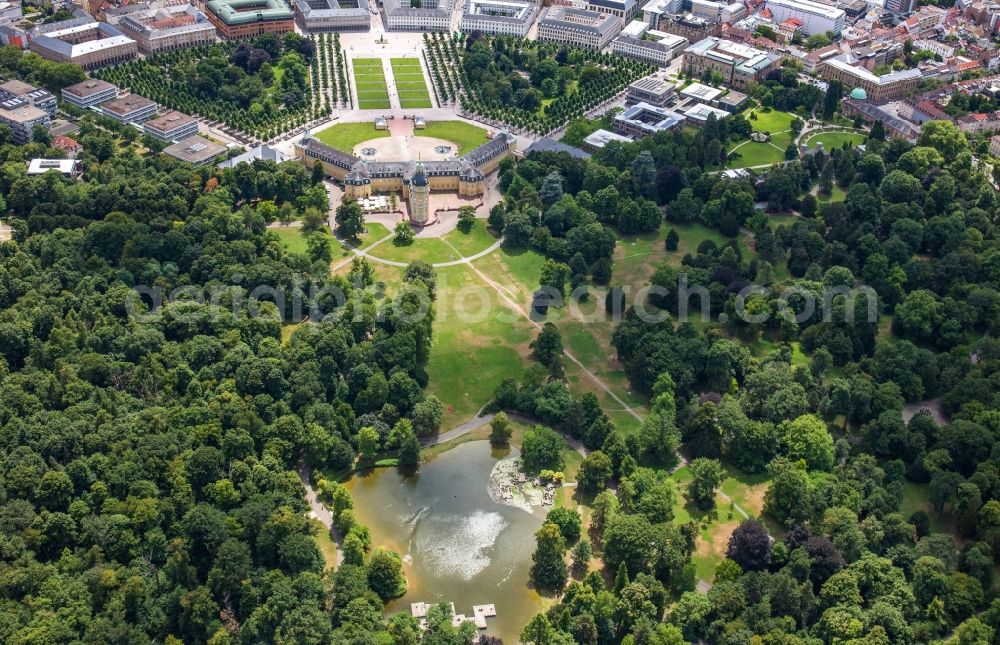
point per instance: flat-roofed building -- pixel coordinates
(90, 92)
(333, 15)
(655, 10)
(655, 89)
(22, 120)
(736, 63)
(20, 91)
(597, 139)
(83, 41)
(578, 27)
(624, 9)
(816, 17)
(510, 17)
(732, 102)
(167, 28)
(701, 93)
(171, 126)
(195, 150)
(649, 45)
(245, 19)
(644, 120)
(878, 89)
(431, 15)
(130, 108)
(65, 167)
(698, 114)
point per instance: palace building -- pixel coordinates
(245, 19)
(414, 179)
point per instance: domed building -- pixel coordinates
(859, 94)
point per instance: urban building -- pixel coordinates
(89, 93)
(732, 102)
(691, 27)
(362, 179)
(171, 126)
(12, 36)
(420, 196)
(578, 27)
(245, 19)
(736, 63)
(130, 108)
(84, 41)
(11, 11)
(718, 11)
(649, 45)
(258, 153)
(900, 6)
(655, 10)
(597, 139)
(510, 17)
(816, 17)
(20, 92)
(65, 167)
(551, 145)
(22, 120)
(870, 113)
(995, 145)
(876, 88)
(68, 145)
(655, 89)
(333, 15)
(166, 28)
(431, 15)
(699, 113)
(701, 93)
(643, 120)
(195, 150)
(624, 9)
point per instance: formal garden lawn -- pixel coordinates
(369, 81)
(344, 136)
(776, 122)
(410, 85)
(466, 136)
(831, 140)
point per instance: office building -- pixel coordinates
(195, 150)
(816, 17)
(643, 120)
(578, 27)
(245, 19)
(14, 90)
(430, 15)
(130, 108)
(333, 15)
(171, 126)
(509, 17)
(65, 167)
(877, 89)
(691, 27)
(655, 10)
(597, 139)
(624, 9)
(698, 114)
(83, 41)
(654, 89)
(736, 63)
(165, 29)
(88, 93)
(22, 120)
(649, 45)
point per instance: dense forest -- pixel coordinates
(912, 248)
(148, 486)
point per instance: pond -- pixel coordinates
(458, 544)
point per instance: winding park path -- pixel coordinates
(317, 509)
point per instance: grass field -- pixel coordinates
(344, 136)
(838, 194)
(410, 85)
(476, 240)
(755, 153)
(369, 80)
(466, 136)
(291, 238)
(831, 140)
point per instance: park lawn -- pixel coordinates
(517, 271)
(373, 233)
(755, 153)
(344, 136)
(917, 497)
(410, 83)
(369, 81)
(773, 121)
(838, 194)
(291, 238)
(831, 140)
(477, 239)
(692, 234)
(326, 545)
(430, 249)
(776, 220)
(467, 137)
(475, 347)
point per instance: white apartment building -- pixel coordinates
(816, 17)
(509, 17)
(578, 27)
